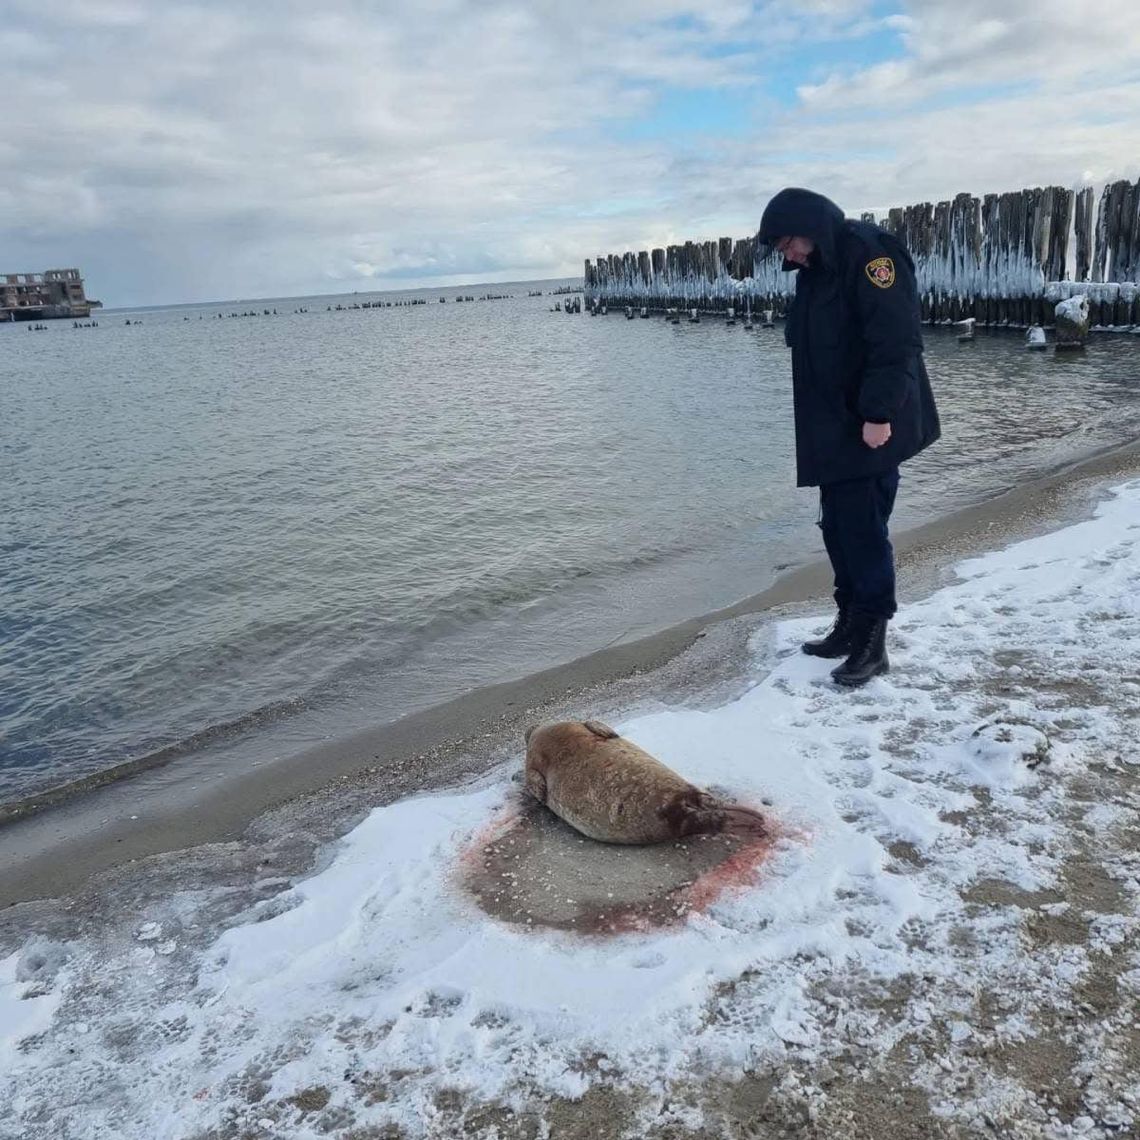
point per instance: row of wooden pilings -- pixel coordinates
(1002, 259)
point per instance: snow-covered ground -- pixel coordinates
(956, 897)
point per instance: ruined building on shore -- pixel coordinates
(42, 296)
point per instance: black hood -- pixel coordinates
(802, 213)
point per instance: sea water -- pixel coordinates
(314, 516)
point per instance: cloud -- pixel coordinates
(971, 46)
(214, 149)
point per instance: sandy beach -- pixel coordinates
(64, 840)
(985, 984)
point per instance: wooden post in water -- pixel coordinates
(724, 253)
(1057, 253)
(939, 256)
(1120, 249)
(709, 263)
(1100, 237)
(1134, 259)
(1082, 234)
(1113, 216)
(743, 254)
(985, 308)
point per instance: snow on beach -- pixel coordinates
(921, 909)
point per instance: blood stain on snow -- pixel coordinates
(527, 867)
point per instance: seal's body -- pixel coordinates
(609, 789)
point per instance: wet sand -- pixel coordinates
(319, 794)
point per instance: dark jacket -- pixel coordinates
(854, 328)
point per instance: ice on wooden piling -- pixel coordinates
(1010, 247)
(1074, 309)
(1099, 291)
(1072, 317)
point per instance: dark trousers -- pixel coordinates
(854, 516)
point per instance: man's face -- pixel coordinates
(797, 250)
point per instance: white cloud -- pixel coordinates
(964, 46)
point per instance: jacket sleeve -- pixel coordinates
(791, 315)
(890, 323)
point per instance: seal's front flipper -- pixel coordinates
(601, 730)
(536, 784)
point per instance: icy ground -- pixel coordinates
(944, 943)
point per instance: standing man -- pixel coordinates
(862, 400)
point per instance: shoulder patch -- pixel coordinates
(881, 271)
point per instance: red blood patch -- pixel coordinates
(526, 866)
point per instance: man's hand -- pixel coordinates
(875, 435)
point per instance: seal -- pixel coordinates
(609, 789)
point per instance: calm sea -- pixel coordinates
(264, 531)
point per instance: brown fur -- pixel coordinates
(611, 790)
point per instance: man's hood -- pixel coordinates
(802, 213)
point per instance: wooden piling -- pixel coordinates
(1000, 258)
(1083, 235)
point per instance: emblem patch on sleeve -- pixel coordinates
(881, 272)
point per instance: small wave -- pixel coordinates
(212, 734)
(523, 587)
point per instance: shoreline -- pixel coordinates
(326, 788)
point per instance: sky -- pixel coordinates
(214, 149)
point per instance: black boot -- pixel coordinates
(868, 652)
(836, 642)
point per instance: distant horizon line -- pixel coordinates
(350, 293)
